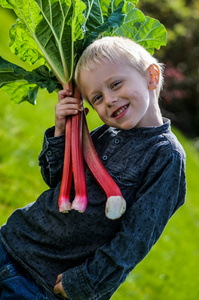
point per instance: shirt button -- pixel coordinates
(49, 153)
(117, 141)
(105, 157)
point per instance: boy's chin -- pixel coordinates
(125, 126)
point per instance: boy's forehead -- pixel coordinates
(101, 72)
(105, 70)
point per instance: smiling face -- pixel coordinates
(121, 95)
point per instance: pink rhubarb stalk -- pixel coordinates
(64, 196)
(115, 205)
(80, 201)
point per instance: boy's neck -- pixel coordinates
(154, 115)
(153, 118)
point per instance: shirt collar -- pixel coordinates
(165, 127)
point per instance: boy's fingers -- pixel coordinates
(64, 93)
(67, 109)
(69, 100)
(58, 284)
(58, 278)
(57, 288)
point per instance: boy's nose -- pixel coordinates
(110, 99)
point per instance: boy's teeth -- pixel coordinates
(118, 112)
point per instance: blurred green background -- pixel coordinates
(170, 271)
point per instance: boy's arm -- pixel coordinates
(51, 157)
(162, 192)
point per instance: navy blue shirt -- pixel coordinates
(96, 254)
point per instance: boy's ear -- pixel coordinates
(153, 76)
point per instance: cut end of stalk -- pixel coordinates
(79, 203)
(64, 205)
(115, 207)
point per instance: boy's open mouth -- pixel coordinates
(120, 111)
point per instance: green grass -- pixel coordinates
(170, 271)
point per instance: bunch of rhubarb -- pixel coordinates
(53, 34)
(79, 146)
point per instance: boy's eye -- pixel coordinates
(96, 98)
(115, 84)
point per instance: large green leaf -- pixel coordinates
(23, 45)
(20, 91)
(100, 16)
(23, 85)
(9, 72)
(113, 22)
(146, 31)
(97, 12)
(151, 34)
(47, 29)
(108, 6)
(5, 4)
(93, 16)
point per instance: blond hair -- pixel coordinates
(116, 49)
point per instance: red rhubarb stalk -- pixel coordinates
(115, 204)
(80, 201)
(64, 196)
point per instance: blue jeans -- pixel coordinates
(17, 284)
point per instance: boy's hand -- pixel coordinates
(58, 288)
(66, 106)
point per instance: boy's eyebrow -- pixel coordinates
(92, 93)
(112, 77)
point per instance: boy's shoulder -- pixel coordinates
(174, 143)
(164, 140)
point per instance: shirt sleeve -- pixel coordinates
(162, 192)
(51, 157)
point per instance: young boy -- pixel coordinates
(89, 254)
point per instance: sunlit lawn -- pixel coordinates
(170, 271)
